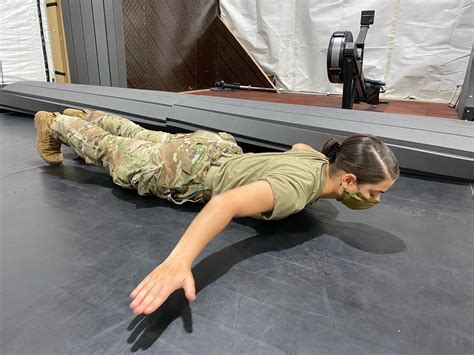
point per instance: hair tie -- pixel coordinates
(332, 154)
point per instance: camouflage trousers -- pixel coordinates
(170, 166)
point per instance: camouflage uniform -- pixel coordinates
(170, 166)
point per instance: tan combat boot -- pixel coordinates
(48, 148)
(76, 113)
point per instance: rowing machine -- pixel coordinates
(344, 65)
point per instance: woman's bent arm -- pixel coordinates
(175, 271)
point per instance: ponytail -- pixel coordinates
(330, 149)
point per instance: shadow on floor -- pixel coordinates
(272, 236)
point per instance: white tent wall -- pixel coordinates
(21, 50)
(419, 48)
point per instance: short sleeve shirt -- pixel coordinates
(296, 177)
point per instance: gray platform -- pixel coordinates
(395, 279)
(425, 144)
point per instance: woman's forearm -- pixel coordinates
(175, 271)
(212, 219)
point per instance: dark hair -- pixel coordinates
(363, 155)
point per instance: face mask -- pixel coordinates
(356, 201)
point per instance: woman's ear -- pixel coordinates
(348, 180)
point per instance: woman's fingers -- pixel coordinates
(142, 294)
(140, 286)
(154, 299)
(150, 294)
(146, 301)
(156, 302)
(189, 288)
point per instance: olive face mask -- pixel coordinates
(356, 201)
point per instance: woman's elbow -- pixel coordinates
(222, 205)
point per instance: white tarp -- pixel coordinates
(21, 49)
(420, 48)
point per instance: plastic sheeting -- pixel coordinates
(419, 48)
(21, 49)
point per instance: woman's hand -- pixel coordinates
(160, 283)
(175, 272)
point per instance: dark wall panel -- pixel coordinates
(119, 44)
(182, 45)
(94, 39)
(101, 41)
(89, 31)
(136, 47)
(71, 52)
(78, 42)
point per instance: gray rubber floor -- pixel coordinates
(396, 279)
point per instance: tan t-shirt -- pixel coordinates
(297, 177)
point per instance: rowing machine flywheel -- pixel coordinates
(335, 57)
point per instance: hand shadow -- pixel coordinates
(271, 236)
